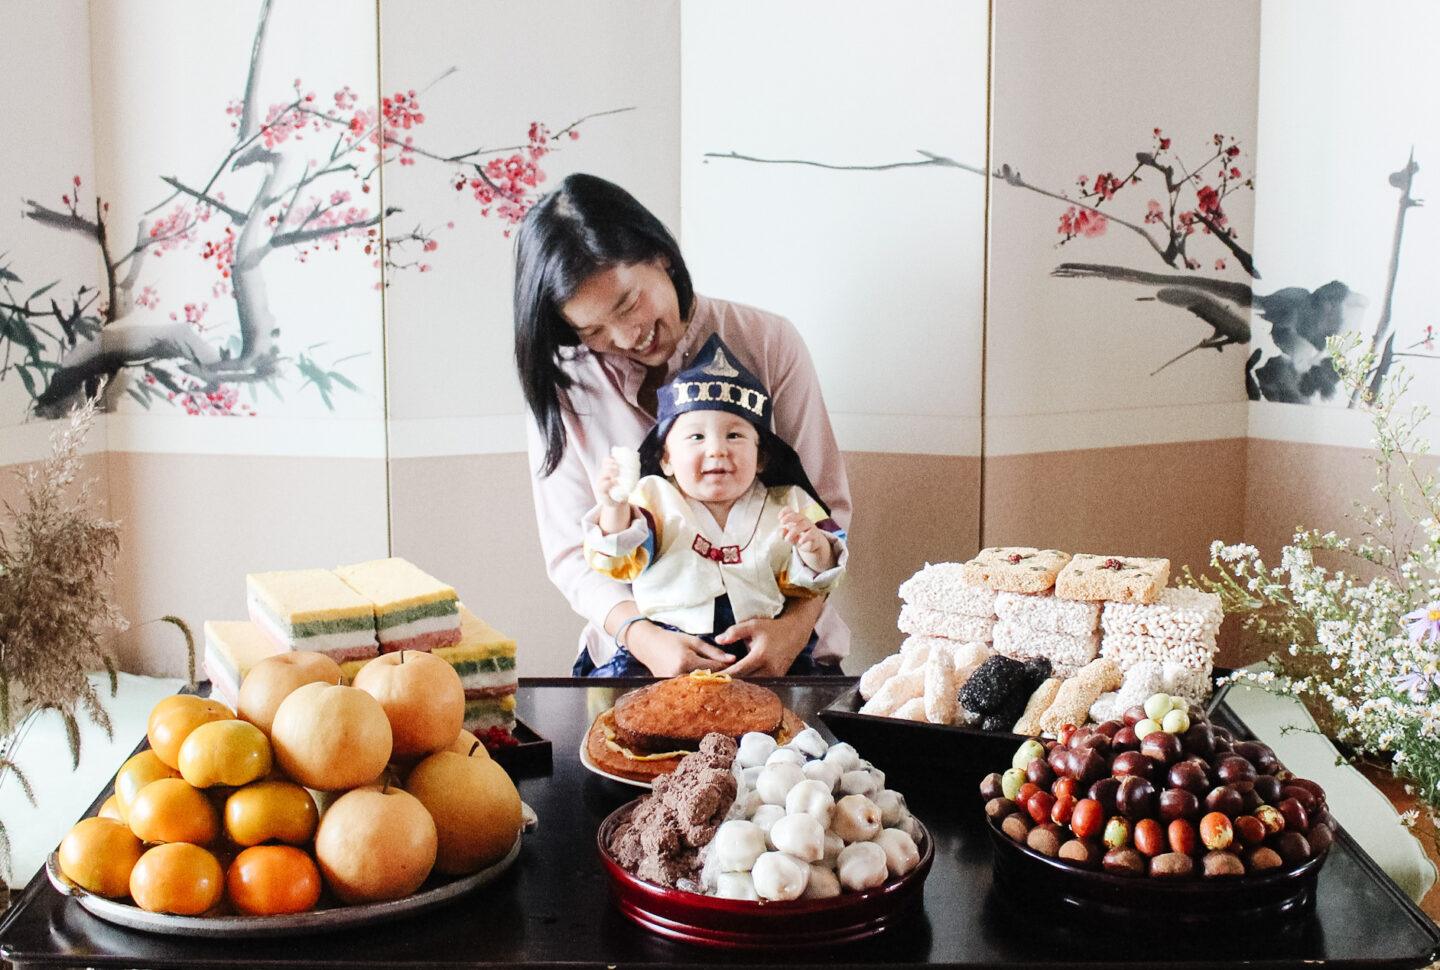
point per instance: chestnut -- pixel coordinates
(1065, 787)
(1162, 747)
(1293, 847)
(1110, 727)
(1134, 715)
(1059, 761)
(1178, 803)
(1104, 791)
(1040, 773)
(1135, 798)
(1172, 865)
(1125, 739)
(1064, 807)
(1304, 796)
(1188, 776)
(1320, 837)
(1225, 800)
(1296, 818)
(991, 786)
(1268, 788)
(1132, 763)
(1199, 739)
(1222, 865)
(1236, 772)
(1081, 853)
(1310, 786)
(1258, 754)
(1095, 741)
(1078, 736)
(1087, 765)
(1124, 862)
(1250, 800)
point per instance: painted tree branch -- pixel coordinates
(1403, 180)
(309, 235)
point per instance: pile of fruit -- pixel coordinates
(309, 787)
(1162, 793)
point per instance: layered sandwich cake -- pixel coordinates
(413, 610)
(232, 647)
(312, 609)
(485, 660)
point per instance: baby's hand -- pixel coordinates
(609, 476)
(806, 537)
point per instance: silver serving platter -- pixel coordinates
(298, 924)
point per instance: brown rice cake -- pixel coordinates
(924, 622)
(1023, 643)
(1044, 611)
(1076, 695)
(1121, 579)
(1015, 569)
(942, 586)
(1180, 613)
(1191, 683)
(1039, 701)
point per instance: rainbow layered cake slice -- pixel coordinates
(413, 610)
(485, 660)
(232, 647)
(312, 609)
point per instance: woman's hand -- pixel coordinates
(814, 548)
(774, 644)
(669, 653)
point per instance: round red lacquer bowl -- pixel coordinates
(741, 923)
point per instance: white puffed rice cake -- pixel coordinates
(941, 586)
(1191, 683)
(941, 690)
(895, 692)
(874, 678)
(1128, 649)
(1180, 614)
(1022, 643)
(921, 621)
(1045, 611)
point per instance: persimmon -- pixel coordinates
(178, 878)
(267, 880)
(99, 854)
(173, 810)
(173, 718)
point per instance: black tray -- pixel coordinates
(1192, 904)
(913, 749)
(531, 757)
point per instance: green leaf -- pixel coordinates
(144, 401)
(8, 276)
(343, 381)
(27, 380)
(43, 290)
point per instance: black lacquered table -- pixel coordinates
(552, 908)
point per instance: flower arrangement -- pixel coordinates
(1352, 624)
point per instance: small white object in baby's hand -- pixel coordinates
(629, 461)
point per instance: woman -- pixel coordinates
(604, 315)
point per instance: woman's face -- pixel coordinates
(714, 456)
(630, 310)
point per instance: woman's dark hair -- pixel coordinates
(584, 226)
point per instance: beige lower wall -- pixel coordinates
(194, 525)
(1166, 500)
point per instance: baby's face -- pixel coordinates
(714, 455)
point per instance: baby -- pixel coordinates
(723, 525)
